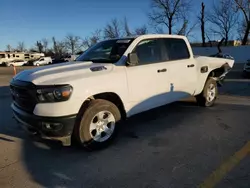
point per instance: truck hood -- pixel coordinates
(63, 73)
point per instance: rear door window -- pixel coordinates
(176, 49)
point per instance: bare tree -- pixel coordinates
(244, 7)
(72, 43)
(21, 47)
(168, 12)
(45, 44)
(141, 30)
(39, 46)
(186, 28)
(61, 47)
(8, 48)
(93, 39)
(202, 20)
(112, 29)
(241, 29)
(223, 18)
(159, 30)
(58, 47)
(54, 45)
(126, 28)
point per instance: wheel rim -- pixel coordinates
(211, 93)
(102, 126)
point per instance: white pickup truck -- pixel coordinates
(113, 80)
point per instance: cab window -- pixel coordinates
(148, 51)
(175, 49)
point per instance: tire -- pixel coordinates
(209, 94)
(7, 64)
(90, 131)
(37, 65)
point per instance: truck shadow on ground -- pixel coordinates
(53, 165)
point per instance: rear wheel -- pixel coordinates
(98, 125)
(209, 94)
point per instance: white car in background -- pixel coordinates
(70, 58)
(15, 63)
(43, 61)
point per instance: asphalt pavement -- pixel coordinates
(177, 145)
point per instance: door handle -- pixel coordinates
(191, 65)
(162, 70)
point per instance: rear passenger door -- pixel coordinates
(181, 67)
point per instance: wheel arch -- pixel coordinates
(109, 96)
(217, 73)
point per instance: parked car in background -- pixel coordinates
(15, 63)
(246, 70)
(70, 58)
(43, 61)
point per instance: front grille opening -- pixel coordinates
(24, 96)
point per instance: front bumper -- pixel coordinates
(61, 127)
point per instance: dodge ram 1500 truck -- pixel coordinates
(111, 81)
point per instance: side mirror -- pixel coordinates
(132, 59)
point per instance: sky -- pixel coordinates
(31, 20)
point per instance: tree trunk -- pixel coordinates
(245, 38)
(226, 40)
(203, 25)
(219, 45)
(170, 26)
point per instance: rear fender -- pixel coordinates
(217, 74)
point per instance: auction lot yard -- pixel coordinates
(178, 145)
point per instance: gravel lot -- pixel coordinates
(178, 145)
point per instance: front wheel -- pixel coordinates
(98, 124)
(209, 94)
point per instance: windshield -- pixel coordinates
(109, 51)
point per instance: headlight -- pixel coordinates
(54, 94)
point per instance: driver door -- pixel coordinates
(149, 83)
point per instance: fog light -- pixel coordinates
(51, 126)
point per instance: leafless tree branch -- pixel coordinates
(167, 12)
(223, 18)
(112, 29)
(72, 43)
